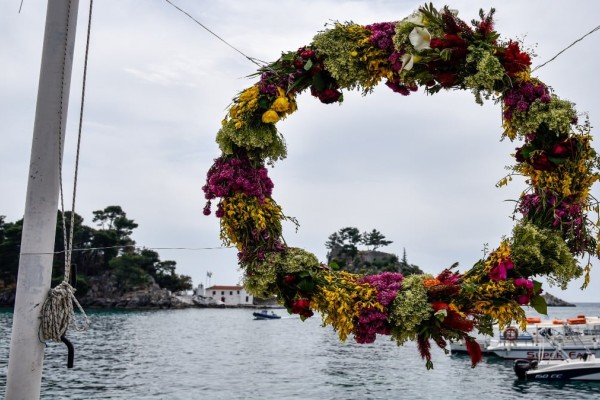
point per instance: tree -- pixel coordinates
(408, 269)
(10, 249)
(114, 237)
(96, 252)
(116, 219)
(374, 239)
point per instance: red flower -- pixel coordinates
(289, 279)
(302, 307)
(327, 96)
(564, 148)
(513, 59)
(446, 79)
(474, 351)
(541, 162)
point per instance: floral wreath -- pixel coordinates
(435, 50)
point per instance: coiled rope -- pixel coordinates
(58, 311)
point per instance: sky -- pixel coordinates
(420, 169)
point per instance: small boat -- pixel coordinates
(264, 314)
(586, 368)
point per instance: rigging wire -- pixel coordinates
(566, 48)
(135, 247)
(256, 61)
(262, 64)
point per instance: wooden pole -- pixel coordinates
(39, 224)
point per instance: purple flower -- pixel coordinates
(522, 105)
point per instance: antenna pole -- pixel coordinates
(39, 223)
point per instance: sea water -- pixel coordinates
(226, 354)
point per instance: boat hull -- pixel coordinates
(556, 370)
(259, 315)
(539, 352)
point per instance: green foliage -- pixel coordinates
(409, 309)
(542, 251)
(341, 46)
(557, 116)
(98, 250)
(261, 141)
(10, 244)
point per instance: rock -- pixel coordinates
(553, 301)
(104, 293)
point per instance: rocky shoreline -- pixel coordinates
(101, 296)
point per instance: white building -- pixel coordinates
(229, 295)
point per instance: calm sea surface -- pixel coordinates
(226, 354)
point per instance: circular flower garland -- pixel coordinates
(435, 50)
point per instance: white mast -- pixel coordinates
(39, 224)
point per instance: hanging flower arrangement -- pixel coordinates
(433, 50)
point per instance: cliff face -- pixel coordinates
(553, 301)
(104, 292)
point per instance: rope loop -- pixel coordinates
(57, 313)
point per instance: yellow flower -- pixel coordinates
(281, 104)
(270, 117)
(249, 93)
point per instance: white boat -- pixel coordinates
(576, 337)
(584, 368)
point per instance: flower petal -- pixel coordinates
(420, 38)
(407, 61)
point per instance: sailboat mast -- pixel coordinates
(39, 223)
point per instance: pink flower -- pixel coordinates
(498, 273)
(522, 282)
(523, 299)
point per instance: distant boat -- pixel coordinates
(264, 314)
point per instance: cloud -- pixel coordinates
(421, 169)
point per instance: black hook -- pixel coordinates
(71, 351)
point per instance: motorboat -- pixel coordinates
(559, 368)
(576, 337)
(585, 368)
(265, 314)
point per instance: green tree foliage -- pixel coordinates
(109, 248)
(10, 248)
(114, 236)
(374, 239)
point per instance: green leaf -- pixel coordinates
(557, 160)
(537, 286)
(539, 304)
(263, 102)
(318, 82)
(306, 286)
(334, 266)
(308, 65)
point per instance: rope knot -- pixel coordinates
(57, 312)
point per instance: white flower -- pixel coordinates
(407, 61)
(420, 38)
(415, 18)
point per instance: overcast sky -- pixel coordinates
(420, 169)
